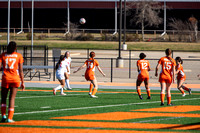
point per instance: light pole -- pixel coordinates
(119, 62)
(8, 32)
(165, 16)
(21, 18)
(115, 18)
(124, 45)
(68, 18)
(32, 31)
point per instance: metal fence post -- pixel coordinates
(111, 71)
(54, 64)
(129, 64)
(88, 50)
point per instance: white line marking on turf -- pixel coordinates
(47, 96)
(158, 119)
(45, 107)
(67, 109)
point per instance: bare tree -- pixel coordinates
(147, 13)
(185, 29)
(73, 30)
(194, 27)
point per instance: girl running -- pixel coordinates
(89, 73)
(61, 69)
(12, 63)
(143, 68)
(181, 76)
(167, 75)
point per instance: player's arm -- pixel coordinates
(21, 74)
(174, 72)
(84, 65)
(98, 67)
(156, 71)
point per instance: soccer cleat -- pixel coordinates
(63, 94)
(93, 96)
(162, 104)
(90, 93)
(171, 104)
(183, 95)
(190, 91)
(10, 121)
(54, 91)
(69, 88)
(140, 97)
(3, 119)
(148, 97)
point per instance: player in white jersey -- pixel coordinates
(68, 61)
(61, 69)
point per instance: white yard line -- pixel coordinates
(171, 118)
(94, 107)
(47, 96)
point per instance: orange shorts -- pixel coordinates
(8, 85)
(181, 78)
(142, 78)
(167, 80)
(89, 76)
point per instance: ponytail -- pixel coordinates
(60, 60)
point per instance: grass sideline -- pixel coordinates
(39, 108)
(181, 46)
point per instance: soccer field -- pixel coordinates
(115, 110)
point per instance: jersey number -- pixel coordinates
(10, 62)
(167, 65)
(144, 65)
(90, 65)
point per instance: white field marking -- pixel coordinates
(158, 119)
(94, 107)
(46, 96)
(45, 107)
(187, 70)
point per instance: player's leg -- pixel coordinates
(162, 93)
(168, 89)
(67, 81)
(138, 83)
(62, 83)
(13, 92)
(146, 82)
(4, 94)
(90, 89)
(94, 82)
(179, 86)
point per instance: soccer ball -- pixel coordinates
(82, 21)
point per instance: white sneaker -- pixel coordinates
(69, 88)
(183, 95)
(54, 91)
(63, 94)
(93, 96)
(10, 121)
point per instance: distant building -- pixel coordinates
(99, 14)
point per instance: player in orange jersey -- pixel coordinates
(167, 75)
(143, 68)
(91, 63)
(12, 63)
(181, 76)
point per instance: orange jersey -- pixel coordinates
(181, 74)
(143, 66)
(167, 66)
(89, 73)
(10, 63)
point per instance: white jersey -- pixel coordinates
(68, 61)
(62, 68)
